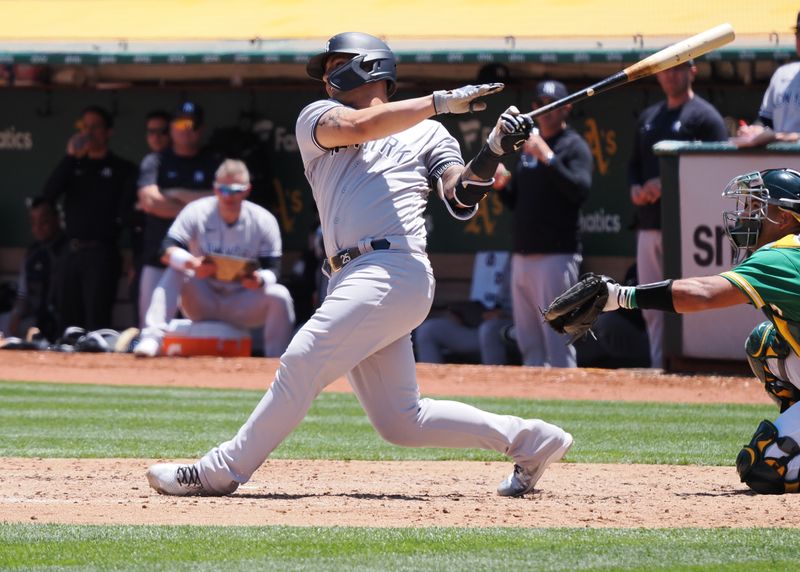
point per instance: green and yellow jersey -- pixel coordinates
(770, 278)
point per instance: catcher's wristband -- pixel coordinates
(655, 296)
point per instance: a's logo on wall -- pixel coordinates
(14, 140)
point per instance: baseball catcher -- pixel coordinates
(764, 227)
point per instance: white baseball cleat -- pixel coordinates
(523, 479)
(147, 347)
(177, 480)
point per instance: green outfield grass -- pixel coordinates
(55, 547)
(55, 420)
(61, 420)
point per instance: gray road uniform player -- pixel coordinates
(200, 229)
(371, 165)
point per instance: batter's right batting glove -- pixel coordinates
(464, 99)
(510, 132)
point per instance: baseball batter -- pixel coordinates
(371, 164)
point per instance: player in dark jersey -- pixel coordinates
(168, 181)
(95, 188)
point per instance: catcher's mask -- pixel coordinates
(753, 192)
(371, 61)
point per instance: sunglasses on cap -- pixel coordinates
(231, 189)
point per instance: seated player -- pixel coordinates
(225, 224)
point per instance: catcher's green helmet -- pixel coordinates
(753, 192)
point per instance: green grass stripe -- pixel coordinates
(61, 420)
(58, 547)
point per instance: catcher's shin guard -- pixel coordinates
(766, 353)
(767, 475)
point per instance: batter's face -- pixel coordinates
(333, 62)
(359, 97)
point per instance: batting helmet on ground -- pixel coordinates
(372, 61)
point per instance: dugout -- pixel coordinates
(55, 60)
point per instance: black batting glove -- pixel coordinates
(510, 132)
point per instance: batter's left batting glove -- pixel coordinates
(464, 99)
(510, 132)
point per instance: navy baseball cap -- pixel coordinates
(188, 115)
(551, 89)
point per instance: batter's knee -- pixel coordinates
(400, 428)
(768, 475)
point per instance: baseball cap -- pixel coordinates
(550, 89)
(189, 115)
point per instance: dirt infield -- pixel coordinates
(357, 493)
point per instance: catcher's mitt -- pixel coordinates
(575, 310)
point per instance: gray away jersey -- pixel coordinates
(781, 101)
(375, 189)
(256, 234)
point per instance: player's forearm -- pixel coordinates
(705, 293)
(342, 126)
(450, 179)
(165, 210)
(682, 296)
(153, 202)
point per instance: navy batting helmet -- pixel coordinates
(753, 192)
(371, 61)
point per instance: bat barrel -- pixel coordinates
(671, 56)
(682, 51)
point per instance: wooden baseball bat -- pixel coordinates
(670, 56)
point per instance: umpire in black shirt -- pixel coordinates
(97, 189)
